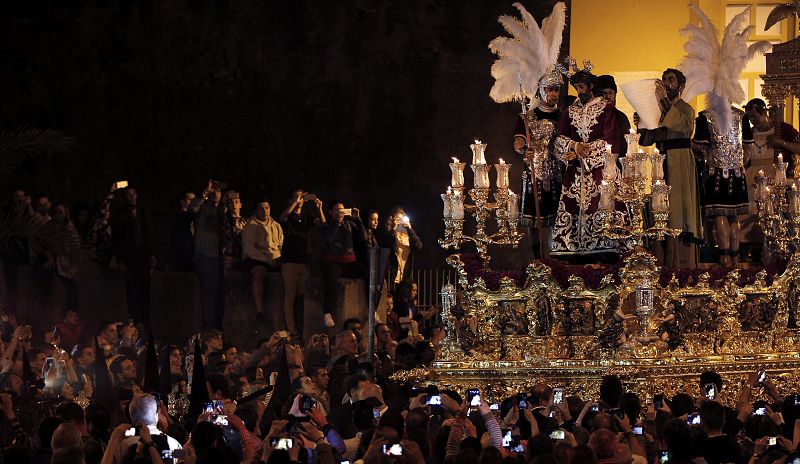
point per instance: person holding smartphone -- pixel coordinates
(459, 426)
(303, 211)
(132, 242)
(341, 235)
(144, 415)
(399, 237)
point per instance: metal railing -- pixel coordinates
(429, 285)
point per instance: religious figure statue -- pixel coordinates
(672, 138)
(581, 317)
(535, 140)
(584, 130)
(525, 71)
(713, 68)
(773, 141)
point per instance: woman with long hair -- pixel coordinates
(402, 240)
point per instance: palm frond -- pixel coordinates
(34, 234)
(17, 144)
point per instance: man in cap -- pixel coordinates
(606, 87)
(587, 125)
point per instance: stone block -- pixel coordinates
(241, 325)
(352, 301)
(40, 299)
(41, 296)
(176, 310)
(176, 303)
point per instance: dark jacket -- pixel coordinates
(132, 236)
(388, 239)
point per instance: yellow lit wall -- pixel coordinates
(638, 39)
(628, 39)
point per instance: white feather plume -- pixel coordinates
(526, 54)
(702, 55)
(714, 68)
(553, 31)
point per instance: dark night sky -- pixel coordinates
(362, 100)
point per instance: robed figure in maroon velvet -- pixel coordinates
(585, 128)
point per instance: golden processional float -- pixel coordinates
(656, 328)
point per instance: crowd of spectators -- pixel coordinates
(124, 397)
(116, 394)
(209, 235)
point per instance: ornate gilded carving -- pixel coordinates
(658, 338)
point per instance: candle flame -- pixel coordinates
(501, 161)
(455, 160)
(632, 131)
(656, 151)
(761, 173)
(477, 142)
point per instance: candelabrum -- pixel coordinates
(504, 208)
(778, 204)
(634, 187)
(178, 404)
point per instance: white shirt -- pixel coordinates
(130, 441)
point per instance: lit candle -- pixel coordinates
(502, 174)
(447, 199)
(768, 198)
(478, 149)
(457, 205)
(632, 139)
(481, 175)
(793, 204)
(610, 165)
(513, 205)
(457, 170)
(761, 183)
(658, 200)
(641, 160)
(780, 170)
(606, 196)
(658, 165)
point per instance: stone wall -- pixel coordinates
(176, 310)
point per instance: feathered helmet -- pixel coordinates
(714, 68)
(526, 61)
(551, 78)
